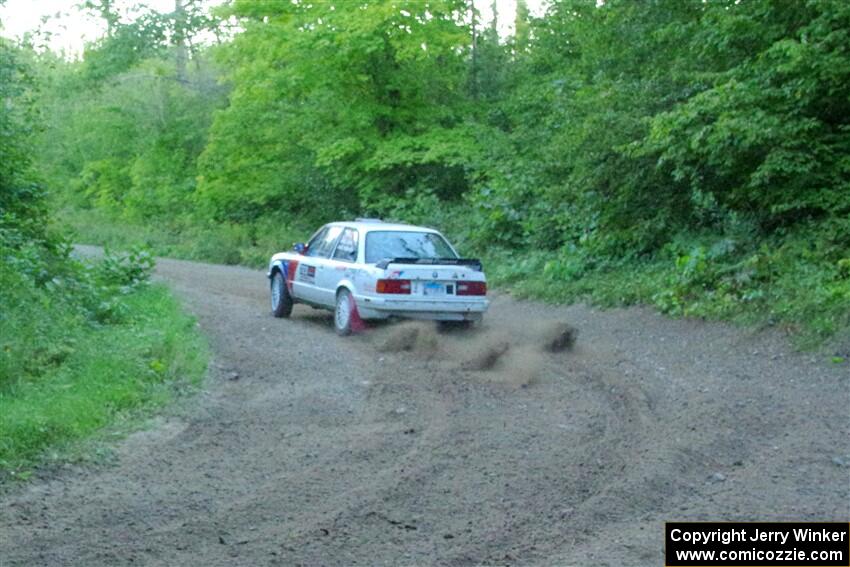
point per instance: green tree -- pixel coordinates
(22, 198)
(770, 137)
(124, 126)
(340, 106)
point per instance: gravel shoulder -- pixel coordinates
(305, 448)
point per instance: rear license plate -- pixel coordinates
(433, 288)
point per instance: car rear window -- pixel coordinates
(402, 244)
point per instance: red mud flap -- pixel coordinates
(357, 324)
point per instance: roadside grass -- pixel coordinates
(98, 374)
(807, 297)
(183, 238)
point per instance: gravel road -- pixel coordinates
(309, 449)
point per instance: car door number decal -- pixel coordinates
(307, 273)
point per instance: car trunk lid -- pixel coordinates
(437, 277)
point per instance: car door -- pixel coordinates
(303, 274)
(338, 266)
(306, 281)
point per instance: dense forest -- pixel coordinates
(694, 156)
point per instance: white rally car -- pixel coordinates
(369, 269)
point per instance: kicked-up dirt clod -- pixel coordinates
(556, 336)
(487, 355)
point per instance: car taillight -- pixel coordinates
(472, 288)
(393, 286)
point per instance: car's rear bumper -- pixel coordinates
(371, 307)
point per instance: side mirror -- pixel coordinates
(299, 247)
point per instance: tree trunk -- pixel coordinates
(181, 53)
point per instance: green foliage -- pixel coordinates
(48, 301)
(368, 104)
(125, 47)
(787, 282)
(133, 140)
(74, 379)
(125, 270)
(22, 198)
(771, 135)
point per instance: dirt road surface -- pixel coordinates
(309, 449)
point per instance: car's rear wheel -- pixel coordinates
(281, 300)
(343, 312)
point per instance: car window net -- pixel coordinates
(347, 247)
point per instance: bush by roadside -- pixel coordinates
(784, 283)
(82, 346)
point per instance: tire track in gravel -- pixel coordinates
(329, 451)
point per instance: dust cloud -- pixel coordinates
(514, 355)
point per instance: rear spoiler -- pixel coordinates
(473, 263)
